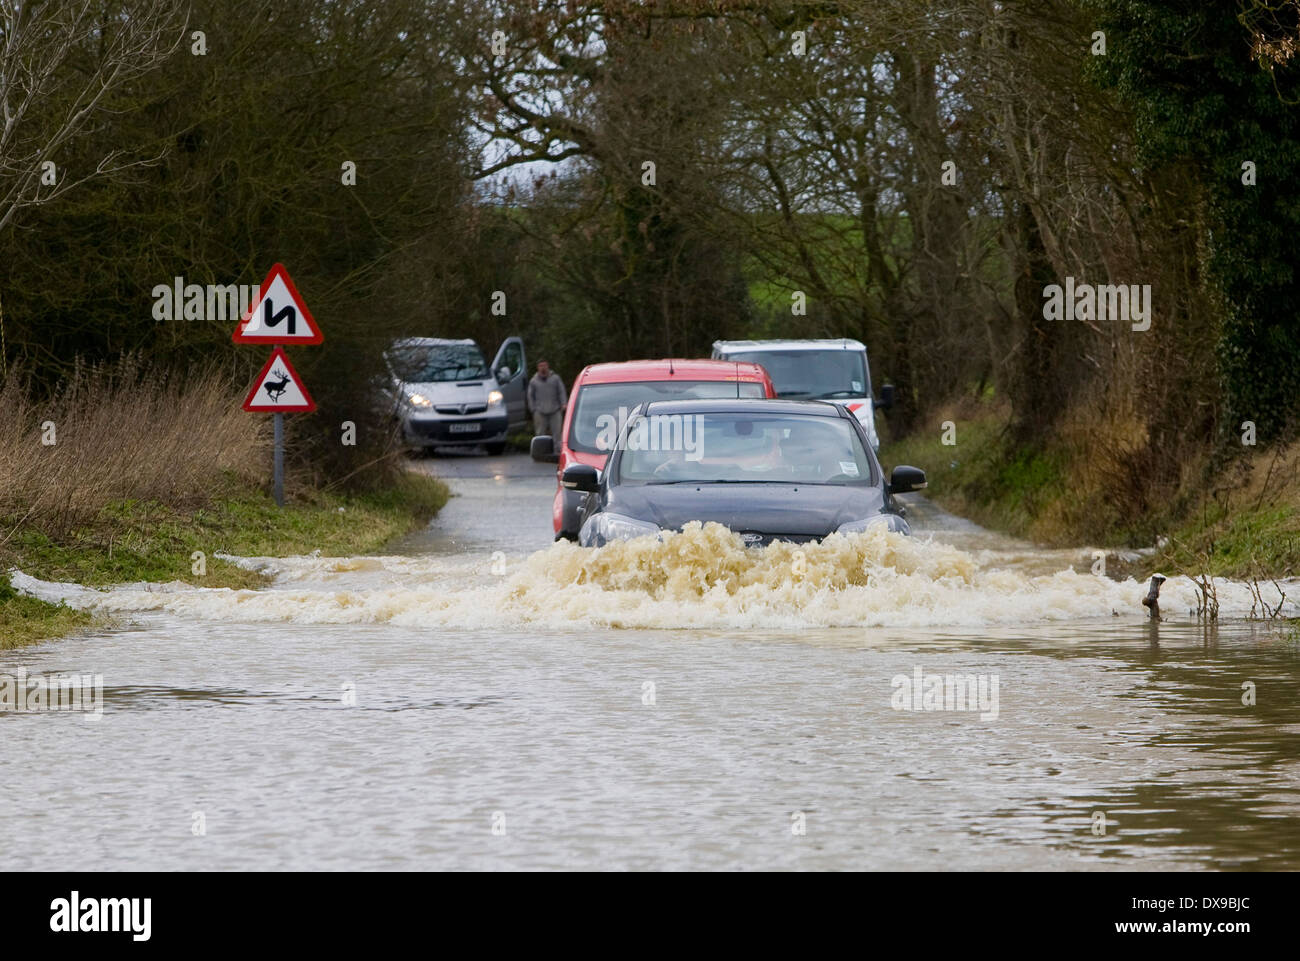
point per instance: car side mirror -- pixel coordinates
(581, 477)
(503, 375)
(905, 479)
(886, 397)
(542, 449)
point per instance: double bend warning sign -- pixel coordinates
(279, 316)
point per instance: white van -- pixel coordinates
(443, 394)
(829, 370)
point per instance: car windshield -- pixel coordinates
(603, 409)
(430, 363)
(743, 447)
(813, 374)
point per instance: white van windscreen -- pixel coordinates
(813, 374)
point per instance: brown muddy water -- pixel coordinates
(482, 699)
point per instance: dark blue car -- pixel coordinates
(767, 469)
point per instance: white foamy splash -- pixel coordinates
(700, 578)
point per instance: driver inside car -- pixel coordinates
(674, 466)
(815, 459)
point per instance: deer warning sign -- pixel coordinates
(279, 389)
(279, 316)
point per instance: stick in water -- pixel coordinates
(1152, 600)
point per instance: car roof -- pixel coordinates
(431, 342)
(740, 405)
(843, 343)
(671, 369)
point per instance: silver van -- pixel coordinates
(444, 394)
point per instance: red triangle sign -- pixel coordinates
(279, 316)
(279, 389)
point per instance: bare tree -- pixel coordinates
(60, 62)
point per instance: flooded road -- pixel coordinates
(479, 698)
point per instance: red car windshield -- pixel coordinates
(603, 409)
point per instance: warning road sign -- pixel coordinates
(279, 316)
(279, 389)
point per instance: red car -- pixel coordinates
(604, 394)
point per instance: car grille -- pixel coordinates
(461, 408)
(759, 539)
(441, 429)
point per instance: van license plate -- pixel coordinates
(463, 428)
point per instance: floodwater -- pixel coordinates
(479, 698)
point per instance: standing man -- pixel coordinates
(546, 399)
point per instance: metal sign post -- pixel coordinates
(279, 460)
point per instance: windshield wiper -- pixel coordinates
(837, 393)
(793, 393)
(722, 480)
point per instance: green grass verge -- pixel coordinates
(133, 541)
(25, 620)
(1246, 542)
(978, 478)
(1032, 494)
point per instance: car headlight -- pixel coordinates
(889, 522)
(602, 528)
(419, 400)
(496, 399)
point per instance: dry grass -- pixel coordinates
(125, 432)
(1118, 479)
(1103, 479)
